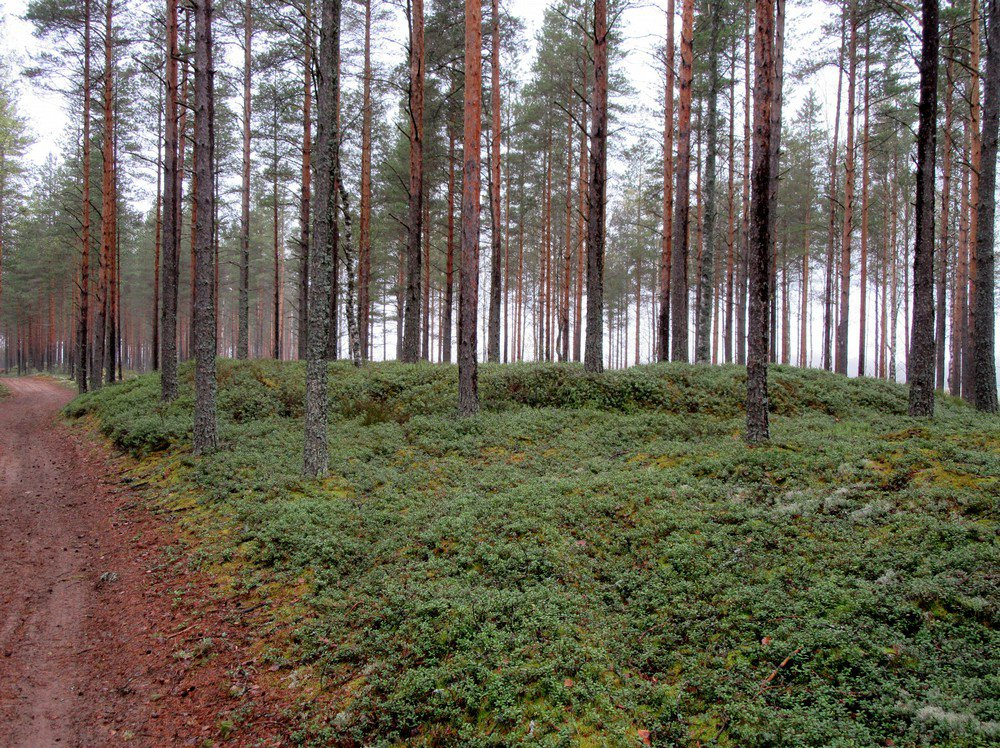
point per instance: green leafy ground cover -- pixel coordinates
(601, 560)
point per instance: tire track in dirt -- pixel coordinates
(88, 659)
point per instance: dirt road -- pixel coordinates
(89, 618)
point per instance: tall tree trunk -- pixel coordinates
(414, 233)
(593, 359)
(564, 331)
(82, 331)
(350, 303)
(496, 286)
(806, 236)
(703, 329)
(468, 290)
(960, 307)
(114, 250)
(779, 78)
(158, 240)
(425, 325)
(666, 237)
(171, 216)
(829, 289)
(863, 303)
(365, 239)
(682, 204)
(983, 310)
(243, 331)
(316, 452)
(894, 286)
(582, 189)
(975, 165)
(845, 247)
(727, 331)
(944, 252)
(921, 365)
(760, 225)
(205, 437)
(742, 269)
(333, 333)
(305, 198)
(109, 204)
(449, 272)
(276, 242)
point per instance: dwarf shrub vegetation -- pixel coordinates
(594, 557)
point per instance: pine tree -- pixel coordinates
(468, 289)
(921, 364)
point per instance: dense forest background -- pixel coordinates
(843, 239)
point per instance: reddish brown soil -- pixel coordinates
(96, 645)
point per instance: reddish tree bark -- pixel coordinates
(82, 331)
(496, 284)
(760, 226)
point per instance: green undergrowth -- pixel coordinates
(600, 560)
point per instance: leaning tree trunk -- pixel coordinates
(316, 457)
(983, 310)
(414, 227)
(921, 365)
(760, 226)
(468, 283)
(682, 201)
(205, 437)
(593, 357)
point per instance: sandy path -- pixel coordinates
(86, 661)
(49, 567)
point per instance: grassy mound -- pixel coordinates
(601, 560)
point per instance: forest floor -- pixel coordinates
(591, 561)
(94, 605)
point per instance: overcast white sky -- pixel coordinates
(644, 26)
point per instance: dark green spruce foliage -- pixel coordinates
(595, 556)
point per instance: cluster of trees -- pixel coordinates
(268, 178)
